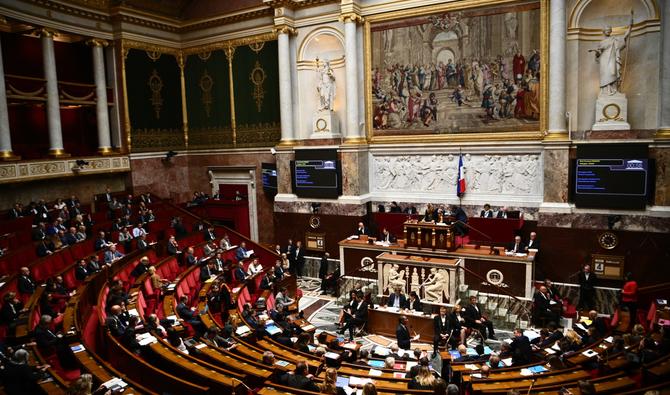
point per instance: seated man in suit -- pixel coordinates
(114, 322)
(241, 253)
(239, 274)
(48, 341)
(26, 284)
(521, 350)
(414, 303)
(542, 306)
(361, 229)
(397, 299)
(112, 255)
(502, 213)
(101, 243)
(209, 234)
(358, 318)
(441, 328)
(189, 315)
(475, 320)
(387, 237)
(517, 247)
(141, 268)
(300, 379)
(282, 300)
(402, 334)
(533, 242)
(81, 271)
(486, 212)
(207, 271)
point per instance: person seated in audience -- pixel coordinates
(572, 340)
(117, 295)
(212, 335)
(129, 338)
(363, 356)
(486, 212)
(369, 389)
(49, 306)
(25, 283)
(542, 306)
(553, 291)
(20, 377)
(463, 354)
(397, 299)
(173, 246)
(112, 255)
(101, 243)
(138, 230)
(424, 380)
(44, 248)
(156, 281)
(16, 211)
(176, 341)
(517, 247)
(81, 233)
(476, 320)
(329, 383)
(414, 370)
(75, 211)
(59, 292)
(268, 279)
(70, 238)
(533, 242)
(49, 342)
(241, 253)
(282, 299)
(208, 271)
(494, 362)
(117, 225)
(209, 249)
(10, 311)
(589, 337)
(53, 228)
(81, 271)
(59, 240)
(115, 322)
(521, 350)
(189, 258)
(254, 267)
(189, 315)
(39, 233)
(395, 208)
(414, 303)
(299, 378)
(126, 239)
(302, 344)
(598, 323)
(155, 326)
(225, 243)
(238, 273)
(209, 234)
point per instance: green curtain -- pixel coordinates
(208, 91)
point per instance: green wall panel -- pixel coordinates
(208, 92)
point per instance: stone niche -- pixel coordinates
(586, 20)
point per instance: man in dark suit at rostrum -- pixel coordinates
(461, 218)
(533, 242)
(517, 246)
(487, 212)
(361, 229)
(397, 299)
(474, 319)
(387, 237)
(402, 335)
(441, 328)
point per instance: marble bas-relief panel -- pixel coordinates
(556, 163)
(488, 176)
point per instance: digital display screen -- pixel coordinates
(611, 177)
(616, 176)
(269, 177)
(316, 173)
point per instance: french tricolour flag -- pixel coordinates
(460, 183)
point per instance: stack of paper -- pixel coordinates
(356, 381)
(375, 372)
(241, 330)
(471, 366)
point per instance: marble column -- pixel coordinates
(557, 36)
(351, 68)
(285, 88)
(664, 126)
(53, 103)
(102, 111)
(5, 136)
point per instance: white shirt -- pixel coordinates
(396, 301)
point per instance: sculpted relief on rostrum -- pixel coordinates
(511, 175)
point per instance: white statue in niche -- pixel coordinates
(608, 56)
(326, 85)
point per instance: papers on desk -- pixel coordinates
(77, 348)
(580, 326)
(375, 373)
(398, 375)
(173, 318)
(331, 355)
(144, 339)
(471, 366)
(342, 382)
(241, 330)
(526, 372)
(133, 312)
(308, 327)
(401, 352)
(520, 254)
(409, 365)
(487, 350)
(375, 363)
(472, 351)
(356, 381)
(549, 350)
(382, 243)
(248, 253)
(506, 361)
(115, 384)
(200, 345)
(589, 353)
(283, 364)
(352, 237)
(235, 290)
(531, 334)
(382, 351)
(609, 339)
(349, 346)
(556, 347)
(537, 369)
(272, 329)
(585, 320)
(476, 375)
(454, 354)
(231, 247)
(392, 309)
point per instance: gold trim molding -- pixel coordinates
(284, 29)
(662, 134)
(97, 42)
(351, 17)
(63, 167)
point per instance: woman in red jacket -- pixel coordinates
(629, 297)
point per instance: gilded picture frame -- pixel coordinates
(440, 17)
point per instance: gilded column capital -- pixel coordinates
(181, 60)
(97, 42)
(285, 29)
(46, 32)
(351, 17)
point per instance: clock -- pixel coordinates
(608, 240)
(314, 222)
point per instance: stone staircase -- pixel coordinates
(505, 312)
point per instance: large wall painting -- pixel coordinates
(467, 70)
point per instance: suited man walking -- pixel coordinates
(402, 334)
(323, 271)
(587, 289)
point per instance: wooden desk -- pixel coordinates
(573, 376)
(384, 322)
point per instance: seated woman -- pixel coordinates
(414, 303)
(458, 325)
(176, 341)
(329, 383)
(424, 380)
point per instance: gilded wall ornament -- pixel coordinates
(257, 47)
(257, 78)
(156, 85)
(206, 83)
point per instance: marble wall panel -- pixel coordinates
(354, 173)
(556, 164)
(662, 156)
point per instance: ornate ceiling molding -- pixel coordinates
(58, 168)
